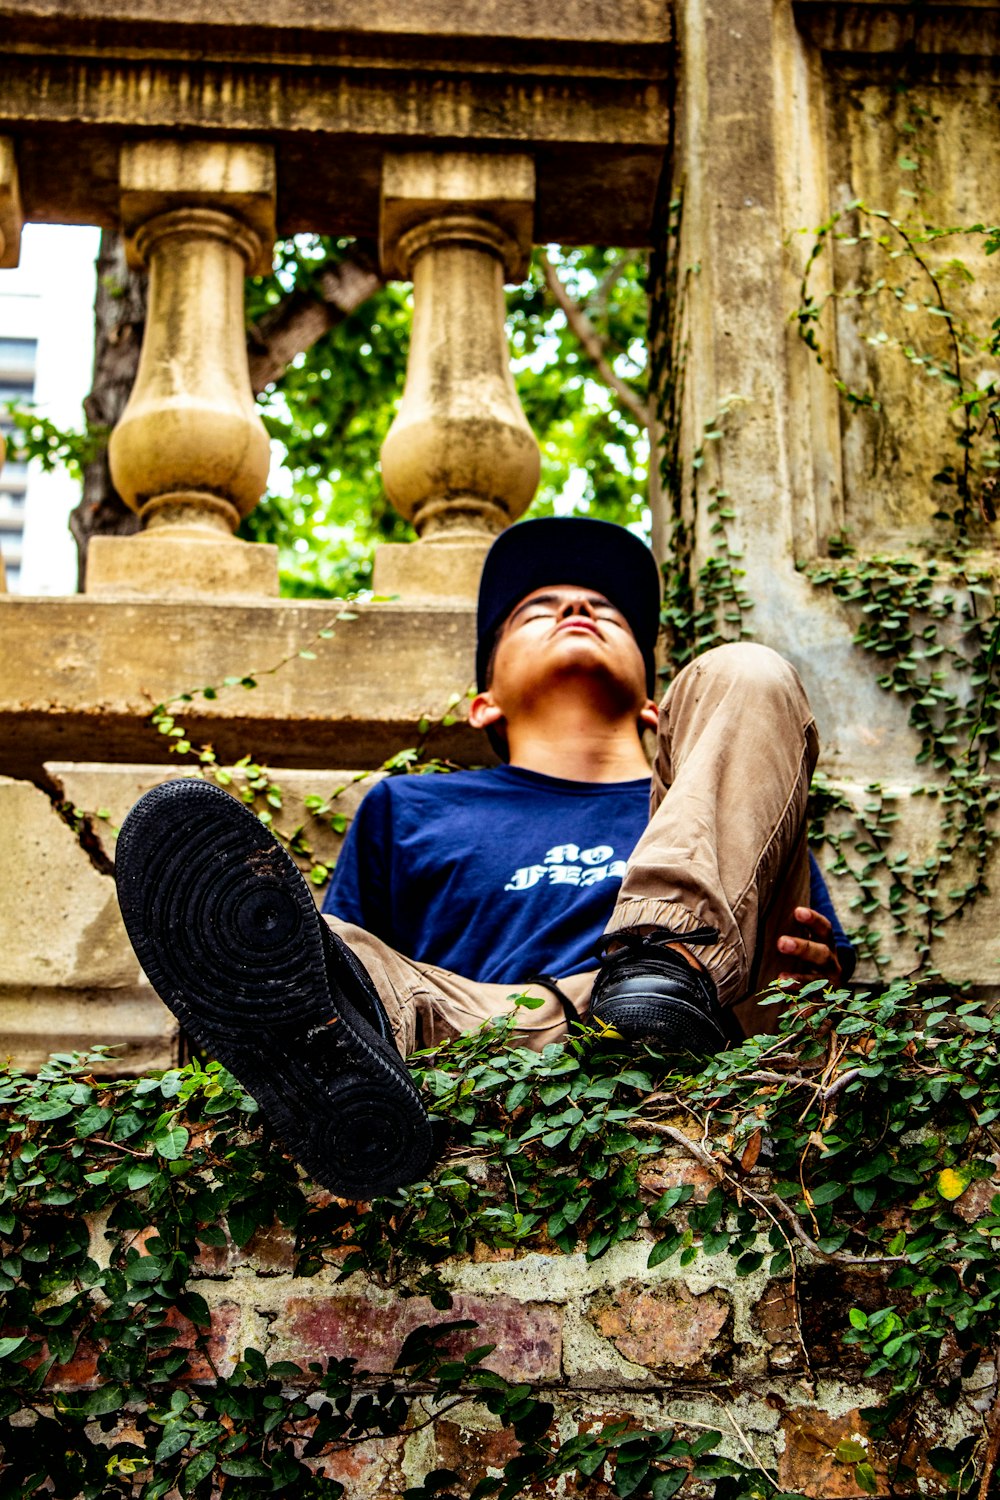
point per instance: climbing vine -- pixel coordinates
(930, 619)
(702, 606)
(933, 629)
(115, 1192)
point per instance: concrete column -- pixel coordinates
(460, 460)
(190, 454)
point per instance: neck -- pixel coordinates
(578, 748)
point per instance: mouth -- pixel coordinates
(578, 624)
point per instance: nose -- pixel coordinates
(579, 604)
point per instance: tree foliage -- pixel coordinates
(331, 409)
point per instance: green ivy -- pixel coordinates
(912, 282)
(856, 1137)
(932, 627)
(929, 620)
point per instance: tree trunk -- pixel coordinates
(119, 319)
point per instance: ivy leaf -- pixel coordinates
(665, 1485)
(827, 1192)
(629, 1476)
(864, 1196)
(244, 1468)
(951, 1182)
(92, 1120)
(170, 1141)
(175, 1437)
(47, 1109)
(141, 1175)
(663, 1249)
(198, 1469)
(99, 1403)
(866, 1478)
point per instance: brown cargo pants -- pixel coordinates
(724, 847)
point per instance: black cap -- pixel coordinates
(570, 549)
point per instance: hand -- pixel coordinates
(810, 954)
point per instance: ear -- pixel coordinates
(649, 715)
(484, 711)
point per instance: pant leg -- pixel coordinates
(427, 1005)
(725, 845)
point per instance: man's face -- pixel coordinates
(562, 632)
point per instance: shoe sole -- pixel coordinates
(229, 937)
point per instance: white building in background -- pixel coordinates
(47, 358)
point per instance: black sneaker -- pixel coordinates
(647, 992)
(228, 934)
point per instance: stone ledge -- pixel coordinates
(79, 678)
(70, 980)
(586, 83)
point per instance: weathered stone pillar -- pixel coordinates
(751, 160)
(190, 454)
(460, 460)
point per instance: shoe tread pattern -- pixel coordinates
(228, 934)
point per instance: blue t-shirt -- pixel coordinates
(499, 874)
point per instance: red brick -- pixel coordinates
(270, 1249)
(79, 1373)
(677, 1171)
(368, 1470)
(471, 1452)
(776, 1317)
(528, 1335)
(666, 1326)
(219, 1342)
(810, 1465)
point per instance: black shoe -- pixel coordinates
(228, 934)
(646, 992)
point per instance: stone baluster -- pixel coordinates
(11, 220)
(460, 460)
(190, 454)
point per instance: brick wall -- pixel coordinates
(760, 1360)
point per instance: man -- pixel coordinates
(456, 892)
